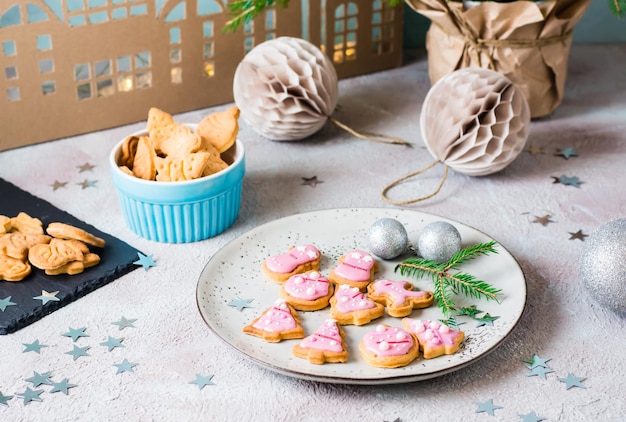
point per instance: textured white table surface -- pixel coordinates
(171, 344)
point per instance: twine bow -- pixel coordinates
(475, 45)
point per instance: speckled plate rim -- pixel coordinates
(221, 281)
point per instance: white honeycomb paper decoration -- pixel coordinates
(475, 121)
(285, 88)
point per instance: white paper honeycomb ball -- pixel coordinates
(475, 121)
(285, 88)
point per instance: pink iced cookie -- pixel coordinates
(388, 347)
(356, 268)
(295, 261)
(398, 296)
(326, 344)
(435, 338)
(350, 306)
(308, 291)
(278, 322)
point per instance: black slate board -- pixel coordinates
(116, 259)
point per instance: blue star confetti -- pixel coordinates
(578, 235)
(124, 323)
(470, 311)
(85, 167)
(76, 333)
(4, 399)
(30, 395)
(487, 407)
(567, 181)
(35, 346)
(46, 297)
(239, 303)
(202, 381)
(572, 381)
(111, 343)
(77, 352)
(87, 184)
(38, 379)
(536, 361)
(539, 371)
(566, 153)
(486, 320)
(4, 303)
(531, 417)
(145, 261)
(57, 185)
(125, 366)
(61, 387)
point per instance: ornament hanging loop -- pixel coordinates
(371, 136)
(408, 176)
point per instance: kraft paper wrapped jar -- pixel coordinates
(526, 41)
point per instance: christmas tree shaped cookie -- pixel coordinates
(398, 296)
(278, 322)
(435, 339)
(326, 344)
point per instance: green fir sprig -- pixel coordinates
(448, 279)
(618, 7)
(244, 11)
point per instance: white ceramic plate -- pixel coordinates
(235, 272)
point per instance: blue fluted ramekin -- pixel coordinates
(181, 212)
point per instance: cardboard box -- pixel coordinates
(76, 66)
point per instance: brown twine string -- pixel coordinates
(371, 136)
(408, 176)
(476, 44)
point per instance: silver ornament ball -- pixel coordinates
(387, 238)
(603, 265)
(439, 241)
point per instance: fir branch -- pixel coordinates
(244, 11)
(446, 283)
(618, 7)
